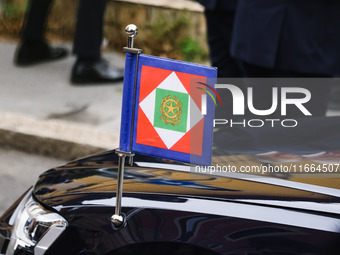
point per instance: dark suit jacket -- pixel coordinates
(291, 35)
(218, 4)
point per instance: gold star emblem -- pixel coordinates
(171, 110)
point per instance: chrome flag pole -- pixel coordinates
(118, 219)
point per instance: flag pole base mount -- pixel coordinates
(118, 219)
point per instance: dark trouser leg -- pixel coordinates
(89, 29)
(220, 29)
(35, 21)
(33, 48)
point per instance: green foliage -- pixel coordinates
(14, 10)
(164, 30)
(170, 34)
(191, 50)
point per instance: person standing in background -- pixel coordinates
(289, 39)
(220, 22)
(274, 38)
(219, 16)
(89, 67)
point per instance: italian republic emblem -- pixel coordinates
(171, 110)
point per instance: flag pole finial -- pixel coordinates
(131, 31)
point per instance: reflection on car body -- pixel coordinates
(170, 209)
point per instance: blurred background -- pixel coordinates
(170, 28)
(45, 121)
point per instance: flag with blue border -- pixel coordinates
(163, 111)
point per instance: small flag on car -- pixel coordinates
(165, 111)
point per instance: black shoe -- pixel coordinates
(99, 71)
(31, 52)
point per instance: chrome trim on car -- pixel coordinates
(48, 239)
(249, 177)
(237, 210)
